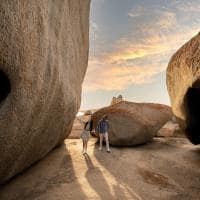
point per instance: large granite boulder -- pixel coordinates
(43, 59)
(183, 82)
(133, 123)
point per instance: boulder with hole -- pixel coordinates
(43, 60)
(183, 83)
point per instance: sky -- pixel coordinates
(131, 43)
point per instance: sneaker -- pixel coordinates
(108, 151)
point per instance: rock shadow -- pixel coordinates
(93, 174)
(51, 178)
(192, 112)
(160, 166)
(122, 188)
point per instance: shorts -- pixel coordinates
(85, 135)
(103, 133)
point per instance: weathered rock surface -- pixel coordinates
(165, 169)
(43, 59)
(88, 112)
(170, 129)
(183, 82)
(133, 123)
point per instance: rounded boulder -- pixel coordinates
(183, 83)
(131, 123)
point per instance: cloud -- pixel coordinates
(104, 74)
(137, 11)
(167, 21)
(142, 53)
(94, 29)
(187, 6)
(112, 77)
(152, 42)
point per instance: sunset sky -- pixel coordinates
(131, 42)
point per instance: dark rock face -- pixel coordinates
(183, 82)
(43, 59)
(131, 123)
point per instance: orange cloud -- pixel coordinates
(158, 37)
(137, 58)
(113, 71)
(113, 77)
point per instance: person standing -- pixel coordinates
(102, 129)
(85, 135)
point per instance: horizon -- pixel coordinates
(131, 43)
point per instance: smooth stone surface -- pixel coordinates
(131, 123)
